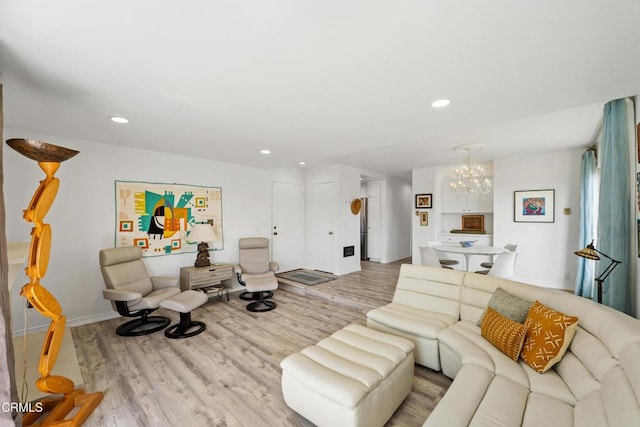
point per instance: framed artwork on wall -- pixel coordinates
(534, 206)
(158, 217)
(473, 223)
(424, 218)
(423, 201)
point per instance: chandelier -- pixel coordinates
(469, 179)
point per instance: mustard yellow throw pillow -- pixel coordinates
(549, 334)
(505, 334)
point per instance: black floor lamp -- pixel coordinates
(590, 252)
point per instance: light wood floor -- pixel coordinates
(230, 374)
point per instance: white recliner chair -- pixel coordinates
(257, 273)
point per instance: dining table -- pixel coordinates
(469, 251)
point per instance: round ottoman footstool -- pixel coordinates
(355, 377)
(183, 303)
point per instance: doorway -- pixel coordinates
(321, 227)
(287, 225)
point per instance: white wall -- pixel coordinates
(425, 180)
(83, 215)
(397, 203)
(546, 250)
(349, 224)
(346, 226)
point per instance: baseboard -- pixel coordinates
(394, 259)
(70, 322)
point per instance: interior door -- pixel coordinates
(287, 225)
(374, 229)
(322, 226)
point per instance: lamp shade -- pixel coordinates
(201, 232)
(589, 252)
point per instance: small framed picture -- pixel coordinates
(473, 222)
(423, 201)
(424, 218)
(534, 206)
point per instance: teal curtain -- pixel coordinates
(588, 217)
(614, 230)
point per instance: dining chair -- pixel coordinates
(504, 265)
(511, 247)
(445, 261)
(429, 258)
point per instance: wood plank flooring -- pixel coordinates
(230, 374)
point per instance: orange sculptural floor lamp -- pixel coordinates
(49, 157)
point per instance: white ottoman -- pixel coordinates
(355, 377)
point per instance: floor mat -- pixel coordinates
(307, 277)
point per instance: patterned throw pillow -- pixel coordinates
(505, 334)
(549, 334)
(509, 305)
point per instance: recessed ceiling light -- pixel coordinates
(439, 103)
(265, 151)
(302, 163)
(118, 119)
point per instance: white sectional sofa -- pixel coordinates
(596, 383)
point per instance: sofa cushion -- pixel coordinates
(543, 410)
(429, 288)
(503, 404)
(508, 305)
(423, 323)
(505, 334)
(502, 364)
(462, 398)
(551, 383)
(620, 402)
(549, 334)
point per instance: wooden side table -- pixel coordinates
(206, 279)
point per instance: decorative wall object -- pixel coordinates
(534, 206)
(423, 201)
(473, 223)
(356, 205)
(158, 217)
(424, 218)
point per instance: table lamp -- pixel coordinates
(202, 233)
(590, 252)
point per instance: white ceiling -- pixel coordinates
(348, 81)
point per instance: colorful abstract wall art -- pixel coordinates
(534, 206)
(158, 217)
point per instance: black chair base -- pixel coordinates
(143, 326)
(255, 296)
(185, 329)
(261, 306)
